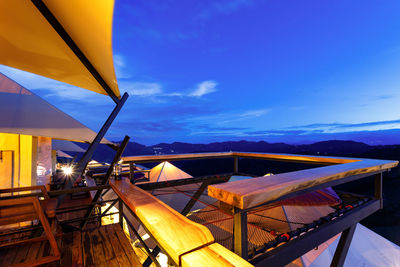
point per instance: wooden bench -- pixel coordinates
(249, 193)
(20, 208)
(186, 242)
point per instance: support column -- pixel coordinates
(240, 234)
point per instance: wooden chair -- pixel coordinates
(28, 207)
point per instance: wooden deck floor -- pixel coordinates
(102, 246)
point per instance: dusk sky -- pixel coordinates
(204, 71)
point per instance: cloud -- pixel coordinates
(120, 66)
(223, 7)
(253, 113)
(204, 88)
(142, 89)
(156, 91)
(384, 97)
(347, 127)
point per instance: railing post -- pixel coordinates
(378, 188)
(240, 233)
(235, 165)
(131, 173)
(121, 212)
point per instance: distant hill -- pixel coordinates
(331, 148)
(325, 147)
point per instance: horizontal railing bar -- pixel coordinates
(171, 183)
(21, 195)
(27, 229)
(81, 219)
(85, 206)
(77, 190)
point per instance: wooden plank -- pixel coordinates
(97, 248)
(126, 246)
(20, 257)
(44, 249)
(33, 251)
(213, 255)
(109, 254)
(66, 245)
(252, 192)
(77, 259)
(7, 255)
(116, 245)
(174, 233)
(87, 250)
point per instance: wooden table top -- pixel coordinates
(249, 193)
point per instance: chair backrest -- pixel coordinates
(18, 210)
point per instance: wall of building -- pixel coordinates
(27, 160)
(23, 168)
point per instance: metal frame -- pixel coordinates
(293, 249)
(151, 258)
(297, 247)
(107, 177)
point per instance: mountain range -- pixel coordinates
(331, 148)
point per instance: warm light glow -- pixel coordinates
(67, 170)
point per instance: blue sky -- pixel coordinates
(204, 71)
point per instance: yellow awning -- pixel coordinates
(29, 42)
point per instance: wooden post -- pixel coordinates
(240, 234)
(379, 187)
(343, 246)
